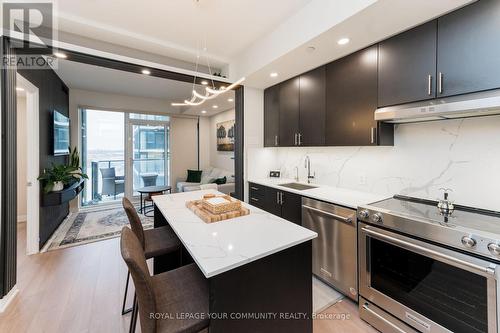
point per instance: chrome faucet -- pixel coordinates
(308, 166)
(296, 173)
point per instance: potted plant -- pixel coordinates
(74, 162)
(56, 177)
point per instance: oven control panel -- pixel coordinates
(441, 233)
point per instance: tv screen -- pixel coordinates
(61, 134)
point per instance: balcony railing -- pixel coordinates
(146, 172)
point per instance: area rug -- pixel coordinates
(91, 226)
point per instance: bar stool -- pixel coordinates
(179, 291)
(154, 242)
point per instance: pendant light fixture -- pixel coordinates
(210, 91)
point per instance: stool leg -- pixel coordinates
(133, 317)
(125, 296)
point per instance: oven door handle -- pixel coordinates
(487, 271)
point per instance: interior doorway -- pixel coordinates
(28, 161)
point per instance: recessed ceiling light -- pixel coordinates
(60, 55)
(343, 41)
(215, 106)
(273, 74)
(19, 89)
(203, 111)
(204, 82)
(230, 99)
(311, 49)
(146, 71)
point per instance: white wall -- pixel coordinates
(220, 159)
(22, 158)
(183, 145)
(204, 142)
(462, 154)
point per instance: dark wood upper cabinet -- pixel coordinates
(289, 112)
(312, 103)
(407, 66)
(351, 99)
(271, 116)
(469, 49)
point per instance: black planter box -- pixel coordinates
(59, 197)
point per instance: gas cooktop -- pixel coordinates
(466, 228)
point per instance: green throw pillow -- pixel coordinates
(220, 181)
(194, 176)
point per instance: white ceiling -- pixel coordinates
(321, 25)
(177, 28)
(248, 38)
(105, 80)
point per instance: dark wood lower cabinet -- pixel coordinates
(272, 203)
(280, 203)
(291, 207)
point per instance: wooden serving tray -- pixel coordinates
(208, 217)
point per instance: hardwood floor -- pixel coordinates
(342, 317)
(80, 289)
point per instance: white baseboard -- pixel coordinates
(22, 218)
(5, 301)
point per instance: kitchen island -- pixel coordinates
(258, 266)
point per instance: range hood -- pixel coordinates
(463, 106)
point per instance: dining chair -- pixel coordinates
(154, 242)
(163, 300)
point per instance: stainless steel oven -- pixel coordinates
(431, 288)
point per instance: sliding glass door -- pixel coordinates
(147, 154)
(122, 152)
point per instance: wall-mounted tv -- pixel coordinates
(61, 134)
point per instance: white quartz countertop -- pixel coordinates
(221, 246)
(335, 195)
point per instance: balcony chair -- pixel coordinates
(111, 183)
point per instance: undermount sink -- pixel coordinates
(298, 186)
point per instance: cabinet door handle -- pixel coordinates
(372, 134)
(278, 198)
(429, 85)
(440, 83)
(281, 198)
(295, 139)
(300, 139)
(275, 140)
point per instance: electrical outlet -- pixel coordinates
(362, 179)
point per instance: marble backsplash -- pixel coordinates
(461, 154)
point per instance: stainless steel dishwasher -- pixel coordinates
(335, 249)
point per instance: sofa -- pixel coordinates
(207, 177)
